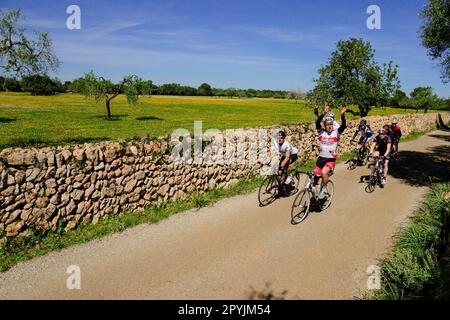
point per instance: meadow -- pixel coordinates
(27, 120)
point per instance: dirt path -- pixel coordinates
(221, 252)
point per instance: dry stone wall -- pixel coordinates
(46, 187)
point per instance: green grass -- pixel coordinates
(412, 268)
(27, 120)
(25, 248)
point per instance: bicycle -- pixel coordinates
(308, 198)
(376, 175)
(274, 187)
(359, 157)
(394, 149)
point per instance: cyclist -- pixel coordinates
(396, 134)
(366, 134)
(383, 144)
(328, 140)
(289, 155)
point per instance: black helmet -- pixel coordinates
(363, 122)
(282, 134)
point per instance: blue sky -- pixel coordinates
(244, 44)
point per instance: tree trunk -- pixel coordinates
(108, 109)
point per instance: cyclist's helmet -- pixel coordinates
(328, 120)
(281, 134)
(394, 121)
(330, 114)
(363, 123)
(382, 131)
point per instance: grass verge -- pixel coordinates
(412, 269)
(38, 244)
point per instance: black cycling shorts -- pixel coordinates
(294, 158)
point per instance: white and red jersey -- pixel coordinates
(328, 143)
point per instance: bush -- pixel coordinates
(413, 266)
(41, 85)
(9, 84)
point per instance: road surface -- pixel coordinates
(236, 248)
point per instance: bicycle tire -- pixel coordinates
(269, 186)
(324, 206)
(300, 207)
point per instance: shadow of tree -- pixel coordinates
(148, 118)
(422, 168)
(116, 117)
(267, 293)
(440, 136)
(6, 120)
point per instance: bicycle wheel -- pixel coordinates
(297, 179)
(351, 164)
(372, 182)
(364, 156)
(327, 201)
(268, 191)
(300, 207)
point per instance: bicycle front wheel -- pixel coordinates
(300, 207)
(268, 191)
(327, 201)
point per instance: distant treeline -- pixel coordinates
(44, 85)
(419, 98)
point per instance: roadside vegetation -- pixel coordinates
(418, 266)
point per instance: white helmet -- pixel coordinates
(330, 114)
(394, 121)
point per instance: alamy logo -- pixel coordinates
(74, 280)
(249, 147)
(74, 20)
(374, 20)
(374, 279)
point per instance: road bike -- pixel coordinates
(274, 187)
(308, 198)
(376, 175)
(359, 156)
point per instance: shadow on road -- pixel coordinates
(422, 168)
(440, 136)
(267, 293)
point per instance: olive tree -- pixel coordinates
(105, 90)
(435, 33)
(20, 55)
(353, 77)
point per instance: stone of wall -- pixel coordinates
(41, 188)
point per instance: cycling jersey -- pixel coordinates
(366, 133)
(286, 147)
(395, 131)
(328, 143)
(382, 143)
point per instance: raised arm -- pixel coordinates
(343, 121)
(319, 122)
(355, 134)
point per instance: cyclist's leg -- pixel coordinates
(329, 166)
(293, 158)
(386, 167)
(318, 170)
